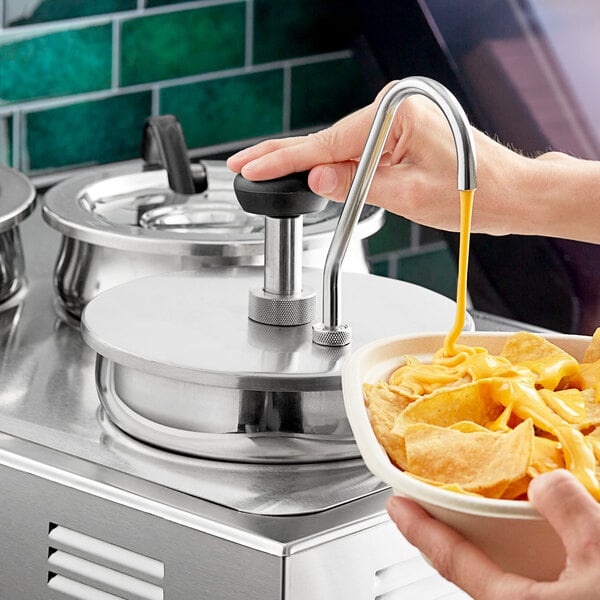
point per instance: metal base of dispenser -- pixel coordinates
(73, 529)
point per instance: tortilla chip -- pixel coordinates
(468, 427)
(592, 353)
(575, 406)
(548, 362)
(523, 347)
(517, 490)
(592, 407)
(395, 447)
(385, 404)
(594, 440)
(587, 377)
(447, 406)
(568, 404)
(580, 458)
(484, 463)
(547, 455)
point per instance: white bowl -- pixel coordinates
(511, 532)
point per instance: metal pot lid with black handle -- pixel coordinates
(221, 362)
(167, 205)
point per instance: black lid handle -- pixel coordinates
(163, 146)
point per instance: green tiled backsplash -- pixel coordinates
(407, 251)
(209, 111)
(78, 78)
(185, 43)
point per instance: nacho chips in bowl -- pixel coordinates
(465, 442)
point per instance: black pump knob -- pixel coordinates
(284, 197)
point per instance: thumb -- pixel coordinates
(332, 181)
(570, 509)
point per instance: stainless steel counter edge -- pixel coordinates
(237, 527)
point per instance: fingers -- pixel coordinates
(571, 511)
(341, 142)
(561, 499)
(388, 187)
(272, 149)
(453, 557)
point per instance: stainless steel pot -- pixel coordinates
(221, 363)
(123, 223)
(17, 201)
(181, 366)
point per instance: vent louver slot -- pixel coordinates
(79, 591)
(87, 568)
(414, 579)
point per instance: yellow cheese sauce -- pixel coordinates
(466, 212)
(516, 387)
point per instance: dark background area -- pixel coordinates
(482, 53)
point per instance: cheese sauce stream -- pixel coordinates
(466, 211)
(514, 386)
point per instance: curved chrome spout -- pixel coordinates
(331, 332)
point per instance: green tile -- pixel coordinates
(55, 64)
(294, 28)
(380, 267)
(19, 13)
(225, 110)
(6, 140)
(324, 92)
(183, 43)
(87, 133)
(435, 270)
(394, 235)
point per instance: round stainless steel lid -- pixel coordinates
(17, 197)
(193, 326)
(128, 208)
